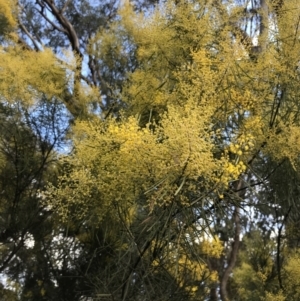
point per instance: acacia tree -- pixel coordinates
(151, 196)
(212, 112)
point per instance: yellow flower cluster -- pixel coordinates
(288, 141)
(231, 172)
(243, 99)
(242, 145)
(7, 10)
(186, 270)
(212, 248)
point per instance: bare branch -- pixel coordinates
(65, 6)
(23, 44)
(36, 46)
(233, 256)
(51, 22)
(66, 25)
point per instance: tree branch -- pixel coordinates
(235, 248)
(66, 25)
(36, 46)
(279, 246)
